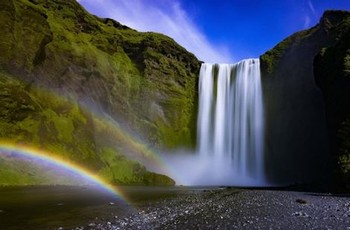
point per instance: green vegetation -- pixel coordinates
(289, 72)
(336, 26)
(331, 69)
(145, 81)
(141, 79)
(347, 64)
(270, 59)
(344, 156)
(61, 127)
(333, 78)
(16, 170)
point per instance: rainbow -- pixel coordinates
(28, 151)
(143, 154)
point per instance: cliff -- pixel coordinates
(300, 77)
(78, 86)
(57, 59)
(332, 74)
(144, 79)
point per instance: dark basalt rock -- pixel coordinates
(298, 138)
(332, 75)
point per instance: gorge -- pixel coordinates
(62, 69)
(104, 127)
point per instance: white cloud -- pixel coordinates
(307, 22)
(311, 14)
(166, 17)
(312, 8)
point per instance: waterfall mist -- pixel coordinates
(230, 133)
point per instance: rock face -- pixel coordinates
(332, 73)
(144, 81)
(148, 84)
(32, 117)
(298, 148)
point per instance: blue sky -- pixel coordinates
(215, 30)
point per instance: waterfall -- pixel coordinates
(230, 123)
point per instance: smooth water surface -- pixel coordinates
(52, 207)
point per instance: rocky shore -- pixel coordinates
(229, 208)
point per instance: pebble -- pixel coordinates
(237, 209)
(301, 201)
(301, 214)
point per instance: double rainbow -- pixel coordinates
(62, 163)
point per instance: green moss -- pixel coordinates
(344, 162)
(347, 64)
(11, 176)
(120, 170)
(172, 137)
(270, 60)
(56, 45)
(59, 126)
(332, 71)
(128, 69)
(344, 149)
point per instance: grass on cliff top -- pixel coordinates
(272, 57)
(337, 26)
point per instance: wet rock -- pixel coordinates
(300, 214)
(301, 201)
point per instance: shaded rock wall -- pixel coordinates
(297, 149)
(332, 74)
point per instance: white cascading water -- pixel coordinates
(230, 145)
(230, 122)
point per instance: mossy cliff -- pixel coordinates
(144, 81)
(36, 118)
(307, 103)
